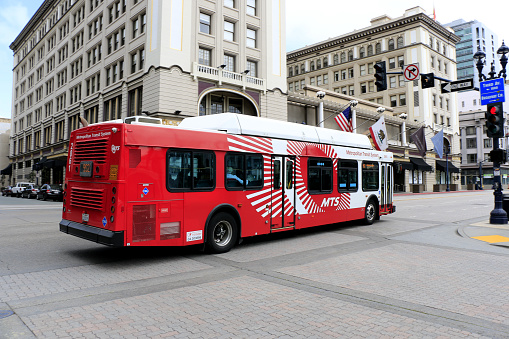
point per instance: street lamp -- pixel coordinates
(497, 215)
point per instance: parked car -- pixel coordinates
(30, 191)
(20, 187)
(6, 191)
(55, 192)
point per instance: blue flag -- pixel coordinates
(438, 143)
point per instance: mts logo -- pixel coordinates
(330, 202)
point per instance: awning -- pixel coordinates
(441, 166)
(421, 165)
(7, 170)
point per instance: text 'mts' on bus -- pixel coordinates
(215, 179)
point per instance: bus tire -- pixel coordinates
(370, 212)
(222, 233)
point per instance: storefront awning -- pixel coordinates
(7, 170)
(442, 166)
(421, 165)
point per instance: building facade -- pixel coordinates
(474, 35)
(345, 64)
(109, 59)
(476, 168)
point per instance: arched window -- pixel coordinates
(370, 50)
(438, 46)
(318, 64)
(336, 59)
(362, 52)
(296, 70)
(312, 65)
(378, 48)
(302, 68)
(290, 72)
(325, 62)
(343, 57)
(400, 42)
(350, 55)
(391, 44)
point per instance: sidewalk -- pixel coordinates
(493, 234)
(399, 194)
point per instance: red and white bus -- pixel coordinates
(216, 179)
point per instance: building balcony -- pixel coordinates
(447, 129)
(232, 78)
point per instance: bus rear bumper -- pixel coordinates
(94, 234)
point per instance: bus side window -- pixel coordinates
(277, 174)
(188, 170)
(319, 175)
(347, 175)
(370, 176)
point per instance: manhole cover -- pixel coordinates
(5, 314)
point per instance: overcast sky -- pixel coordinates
(308, 22)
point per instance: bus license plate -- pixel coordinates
(86, 169)
(85, 217)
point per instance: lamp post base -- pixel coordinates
(498, 216)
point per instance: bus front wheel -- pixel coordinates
(370, 212)
(222, 233)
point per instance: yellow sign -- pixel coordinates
(171, 122)
(113, 172)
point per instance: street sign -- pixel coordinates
(455, 86)
(411, 72)
(492, 91)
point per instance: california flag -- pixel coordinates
(379, 134)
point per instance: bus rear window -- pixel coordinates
(190, 170)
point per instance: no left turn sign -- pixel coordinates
(411, 72)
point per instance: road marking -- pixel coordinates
(492, 238)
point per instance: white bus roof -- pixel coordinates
(233, 123)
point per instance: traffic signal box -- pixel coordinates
(495, 120)
(380, 76)
(498, 156)
(427, 80)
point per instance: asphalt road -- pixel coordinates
(409, 275)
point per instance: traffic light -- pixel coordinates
(380, 76)
(427, 80)
(495, 120)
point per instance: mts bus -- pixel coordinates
(216, 179)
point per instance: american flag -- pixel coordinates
(344, 120)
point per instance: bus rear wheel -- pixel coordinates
(222, 233)
(370, 212)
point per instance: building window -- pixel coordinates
(400, 42)
(325, 79)
(362, 52)
(370, 50)
(392, 81)
(229, 61)
(251, 66)
(391, 44)
(92, 114)
(351, 90)
(392, 63)
(112, 109)
(472, 158)
(216, 105)
(362, 70)
(488, 143)
(402, 99)
(336, 59)
(343, 57)
(471, 142)
(394, 102)
(350, 55)
(229, 3)
(251, 38)
(204, 23)
(364, 88)
(401, 61)
(401, 80)
(229, 31)
(378, 48)
(350, 73)
(204, 56)
(137, 60)
(251, 7)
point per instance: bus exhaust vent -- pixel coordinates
(87, 198)
(91, 150)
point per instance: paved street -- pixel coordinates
(414, 274)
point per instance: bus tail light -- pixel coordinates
(170, 230)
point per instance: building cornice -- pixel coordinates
(369, 31)
(32, 24)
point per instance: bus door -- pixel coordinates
(386, 188)
(282, 205)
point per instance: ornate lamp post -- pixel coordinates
(497, 215)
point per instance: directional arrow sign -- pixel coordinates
(456, 86)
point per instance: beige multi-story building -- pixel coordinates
(345, 64)
(108, 59)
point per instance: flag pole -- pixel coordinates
(351, 103)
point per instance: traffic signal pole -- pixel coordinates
(498, 215)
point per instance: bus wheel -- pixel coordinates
(370, 212)
(221, 233)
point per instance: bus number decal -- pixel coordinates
(194, 235)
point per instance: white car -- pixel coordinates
(20, 187)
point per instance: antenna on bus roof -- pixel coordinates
(83, 121)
